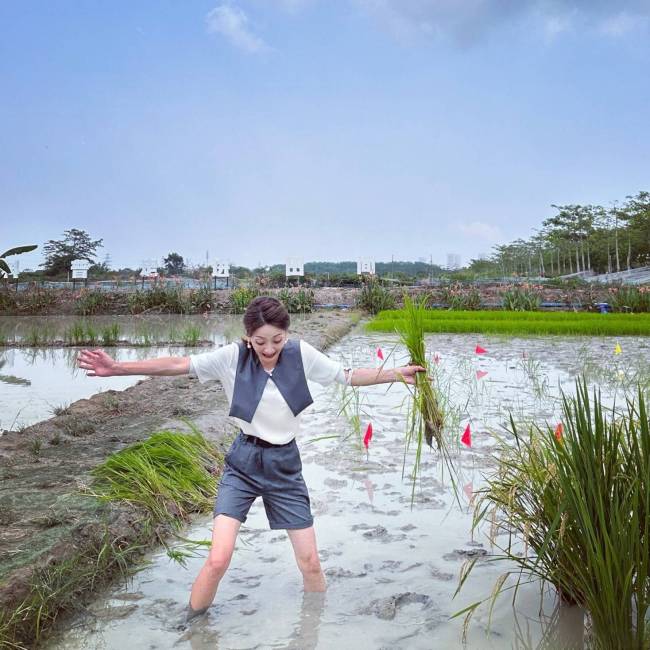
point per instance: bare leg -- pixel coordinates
(306, 552)
(224, 535)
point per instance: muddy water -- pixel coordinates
(392, 568)
(34, 381)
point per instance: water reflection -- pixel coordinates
(564, 628)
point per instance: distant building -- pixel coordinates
(365, 267)
(453, 261)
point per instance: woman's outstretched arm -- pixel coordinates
(100, 364)
(371, 376)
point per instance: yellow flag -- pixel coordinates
(617, 349)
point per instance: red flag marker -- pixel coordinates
(480, 350)
(370, 489)
(380, 354)
(466, 438)
(480, 374)
(469, 490)
(559, 431)
(436, 358)
(368, 437)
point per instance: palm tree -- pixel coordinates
(4, 267)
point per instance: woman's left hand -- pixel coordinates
(407, 373)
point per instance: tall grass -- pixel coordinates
(521, 299)
(579, 502)
(425, 418)
(240, 298)
(635, 299)
(191, 335)
(297, 301)
(374, 298)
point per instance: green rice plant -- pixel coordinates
(75, 334)
(110, 334)
(34, 338)
(191, 335)
(510, 323)
(170, 474)
(240, 298)
(521, 299)
(425, 416)
(575, 506)
(630, 299)
(374, 297)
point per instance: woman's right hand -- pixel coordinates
(97, 363)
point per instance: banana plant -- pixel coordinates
(4, 267)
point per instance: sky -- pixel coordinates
(251, 131)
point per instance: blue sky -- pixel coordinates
(329, 129)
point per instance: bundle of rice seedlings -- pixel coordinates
(577, 499)
(426, 418)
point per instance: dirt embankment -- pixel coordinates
(67, 302)
(46, 520)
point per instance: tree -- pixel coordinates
(174, 264)
(4, 267)
(75, 245)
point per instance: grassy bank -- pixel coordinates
(161, 482)
(510, 322)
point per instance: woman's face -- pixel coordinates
(268, 341)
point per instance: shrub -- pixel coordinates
(374, 297)
(240, 299)
(91, 302)
(460, 298)
(635, 299)
(521, 299)
(300, 301)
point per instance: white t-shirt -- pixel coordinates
(273, 420)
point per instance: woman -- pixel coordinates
(265, 379)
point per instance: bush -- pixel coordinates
(7, 301)
(374, 298)
(635, 299)
(521, 299)
(300, 301)
(240, 299)
(460, 298)
(91, 302)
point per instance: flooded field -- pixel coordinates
(392, 560)
(36, 380)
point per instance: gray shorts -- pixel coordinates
(273, 473)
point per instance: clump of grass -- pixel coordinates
(579, 502)
(458, 297)
(91, 302)
(426, 418)
(240, 298)
(634, 299)
(297, 301)
(521, 299)
(170, 474)
(75, 425)
(82, 332)
(374, 297)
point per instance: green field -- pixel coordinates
(520, 322)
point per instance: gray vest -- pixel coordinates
(250, 380)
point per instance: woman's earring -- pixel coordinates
(248, 345)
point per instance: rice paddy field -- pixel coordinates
(521, 323)
(393, 550)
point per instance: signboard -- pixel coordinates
(221, 270)
(365, 267)
(295, 267)
(149, 269)
(80, 269)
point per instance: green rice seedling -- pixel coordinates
(240, 298)
(34, 338)
(110, 334)
(191, 335)
(575, 506)
(425, 416)
(170, 474)
(521, 299)
(374, 297)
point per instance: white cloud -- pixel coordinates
(480, 230)
(232, 23)
(622, 23)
